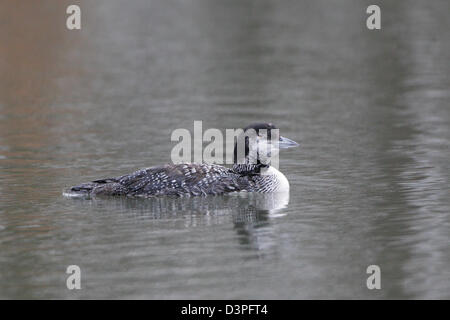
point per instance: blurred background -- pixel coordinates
(369, 184)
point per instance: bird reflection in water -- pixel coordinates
(250, 213)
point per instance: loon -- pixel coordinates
(192, 179)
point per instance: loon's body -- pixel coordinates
(186, 180)
(190, 179)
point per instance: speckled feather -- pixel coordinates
(182, 180)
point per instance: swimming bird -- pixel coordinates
(251, 172)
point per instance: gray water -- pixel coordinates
(369, 183)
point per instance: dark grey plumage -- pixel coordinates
(181, 180)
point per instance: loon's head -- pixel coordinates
(258, 143)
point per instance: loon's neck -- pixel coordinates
(269, 173)
(283, 183)
(249, 169)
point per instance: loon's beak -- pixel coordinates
(287, 143)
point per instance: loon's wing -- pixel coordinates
(179, 179)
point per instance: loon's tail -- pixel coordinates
(81, 191)
(97, 187)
